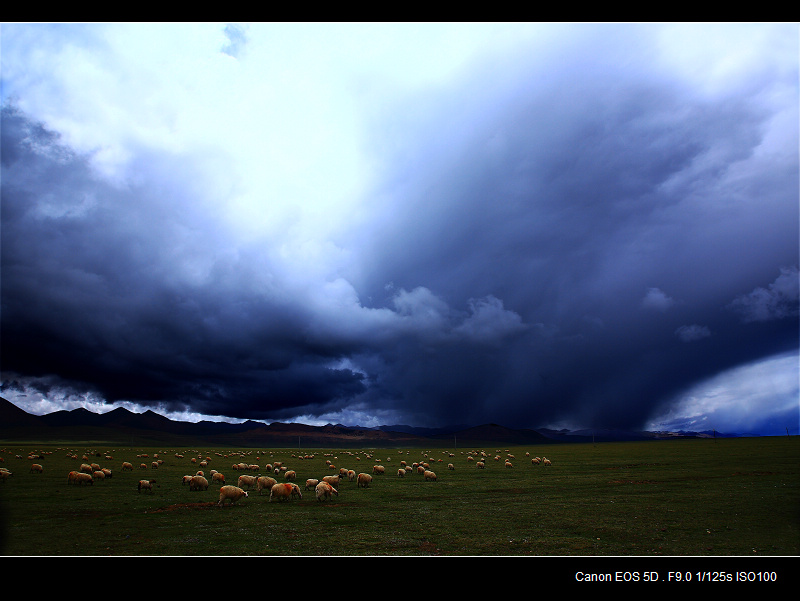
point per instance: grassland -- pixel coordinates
(723, 497)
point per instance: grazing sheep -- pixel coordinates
(480, 465)
(98, 475)
(536, 461)
(83, 478)
(364, 479)
(5, 474)
(86, 468)
(187, 479)
(546, 461)
(284, 491)
(450, 466)
(290, 475)
(378, 469)
(106, 472)
(401, 473)
(351, 475)
(146, 485)
(429, 475)
(234, 493)
(247, 481)
(37, 468)
(332, 480)
(127, 466)
(265, 483)
(311, 483)
(198, 483)
(218, 477)
(324, 490)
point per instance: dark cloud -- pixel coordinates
(572, 240)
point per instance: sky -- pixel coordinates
(569, 225)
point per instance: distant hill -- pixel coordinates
(122, 426)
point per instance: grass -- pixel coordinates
(724, 497)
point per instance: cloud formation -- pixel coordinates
(570, 224)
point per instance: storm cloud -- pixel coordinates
(577, 225)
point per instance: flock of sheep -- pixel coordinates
(325, 488)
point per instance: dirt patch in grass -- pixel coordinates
(177, 506)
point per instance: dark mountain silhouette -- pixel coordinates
(125, 427)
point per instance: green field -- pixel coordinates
(702, 497)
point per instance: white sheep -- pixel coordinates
(364, 479)
(127, 466)
(401, 473)
(324, 491)
(198, 483)
(429, 475)
(36, 467)
(83, 478)
(311, 483)
(546, 461)
(332, 480)
(265, 483)
(378, 469)
(145, 485)
(247, 481)
(283, 491)
(234, 493)
(290, 475)
(218, 477)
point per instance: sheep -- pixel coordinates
(535, 461)
(284, 491)
(429, 475)
(364, 479)
(234, 493)
(311, 483)
(198, 483)
(146, 485)
(450, 466)
(265, 483)
(37, 468)
(83, 478)
(5, 474)
(401, 473)
(508, 464)
(187, 479)
(332, 480)
(324, 490)
(480, 465)
(86, 468)
(546, 461)
(127, 466)
(106, 472)
(351, 475)
(98, 475)
(290, 475)
(218, 477)
(246, 481)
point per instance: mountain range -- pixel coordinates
(122, 426)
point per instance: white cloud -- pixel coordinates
(692, 333)
(657, 299)
(778, 301)
(741, 400)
